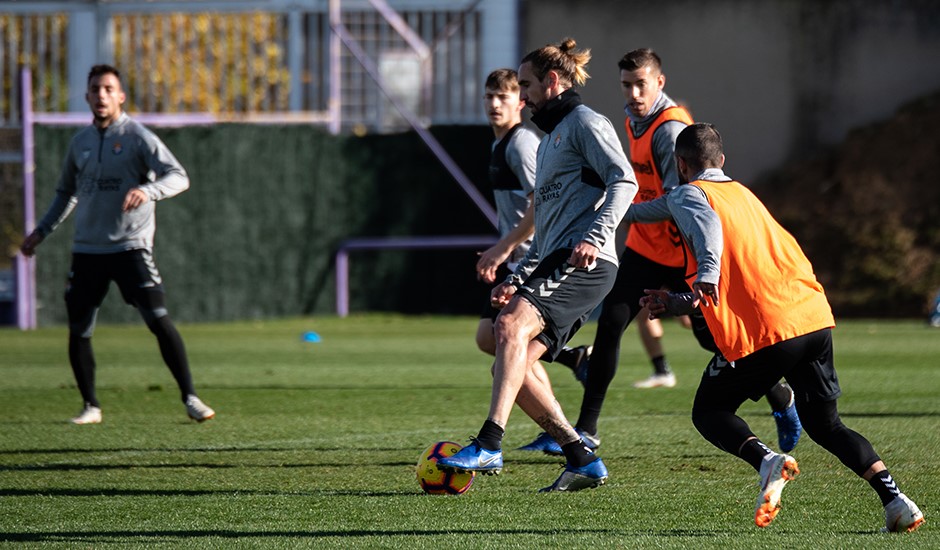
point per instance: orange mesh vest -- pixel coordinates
(767, 290)
(659, 242)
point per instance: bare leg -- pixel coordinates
(516, 327)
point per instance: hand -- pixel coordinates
(134, 198)
(655, 302)
(490, 260)
(584, 255)
(502, 294)
(706, 292)
(28, 248)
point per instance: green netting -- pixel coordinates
(255, 235)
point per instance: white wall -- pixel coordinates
(779, 78)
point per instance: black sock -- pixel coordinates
(491, 436)
(885, 486)
(578, 454)
(780, 397)
(753, 452)
(660, 365)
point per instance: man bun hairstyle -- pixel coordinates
(562, 58)
(639, 58)
(503, 79)
(699, 145)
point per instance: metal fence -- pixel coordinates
(240, 58)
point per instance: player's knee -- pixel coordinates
(485, 339)
(486, 345)
(705, 421)
(82, 324)
(156, 319)
(510, 325)
(614, 319)
(819, 420)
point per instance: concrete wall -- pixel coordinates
(779, 78)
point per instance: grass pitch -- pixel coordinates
(314, 445)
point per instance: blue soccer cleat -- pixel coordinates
(575, 479)
(789, 428)
(544, 443)
(584, 361)
(473, 458)
(547, 444)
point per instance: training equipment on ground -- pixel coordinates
(434, 480)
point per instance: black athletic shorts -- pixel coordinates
(134, 272)
(805, 362)
(565, 296)
(490, 312)
(638, 273)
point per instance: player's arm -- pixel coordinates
(62, 205)
(700, 227)
(493, 257)
(170, 179)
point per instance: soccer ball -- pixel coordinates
(435, 481)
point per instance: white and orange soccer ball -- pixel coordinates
(435, 481)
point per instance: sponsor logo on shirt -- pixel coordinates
(643, 167)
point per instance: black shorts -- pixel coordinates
(805, 362)
(565, 296)
(637, 273)
(490, 312)
(134, 272)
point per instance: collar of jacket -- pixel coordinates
(556, 109)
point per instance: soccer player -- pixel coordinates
(112, 176)
(770, 319)
(512, 175)
(583, 186)
(653, 257)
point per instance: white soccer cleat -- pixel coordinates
(89, 415)
(667, 380)
(197, 410)
(775, 472)
(902, 515)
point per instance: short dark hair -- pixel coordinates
(99, 70)
(503, 79)
(640, 58)
(699, 145)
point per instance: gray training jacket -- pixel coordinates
(583, 187)
(98, 171)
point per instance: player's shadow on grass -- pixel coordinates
(209, 465)
(310, 448)
(198, 492)
(134, 537)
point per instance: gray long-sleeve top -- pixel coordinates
(97, 173)
(697, 221)
(583, 187)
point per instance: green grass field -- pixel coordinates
(314, 445)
